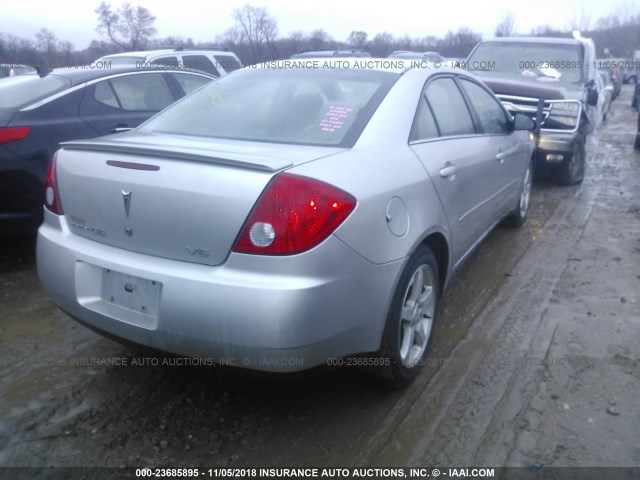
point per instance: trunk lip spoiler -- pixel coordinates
(255, 162)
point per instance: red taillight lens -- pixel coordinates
(292, 215)
(11, 134)
(51, 195)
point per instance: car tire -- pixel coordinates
(572, 172)
(518, 215)
(410, 321)
(636, 144)
(634, 101)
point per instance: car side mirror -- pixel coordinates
(523, 122)
(592, 97)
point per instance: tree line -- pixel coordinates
(254, 37)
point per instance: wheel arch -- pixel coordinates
(438, 244)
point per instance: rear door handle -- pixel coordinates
(448, 170)
(502, 155)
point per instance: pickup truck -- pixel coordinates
(553, 80)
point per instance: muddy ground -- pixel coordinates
(535, 362)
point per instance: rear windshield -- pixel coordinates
(307, 107)
(23, 90)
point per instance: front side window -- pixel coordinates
(449, 108)
(492, 116)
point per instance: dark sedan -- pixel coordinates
(38, 111)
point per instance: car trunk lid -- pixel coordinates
(184, 202)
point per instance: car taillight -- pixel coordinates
(11, 134)
(51, 195)
(292, 215)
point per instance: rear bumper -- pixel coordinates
(278, 314)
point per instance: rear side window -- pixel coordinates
(424, 126)
(199, 62)
(227, 62)
(449, 109)
(23, 90)
(146, 92)
(104, 94)
(190, 83)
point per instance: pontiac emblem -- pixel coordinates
(126, 196)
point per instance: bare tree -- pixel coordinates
(258, 29)
(545, 31)
(580, 22)
(296, 41)
(67, 50)
(130, 28)
(319, 39)
(98, 48)
(506, 27)
(459, 44)
(173, 41)
(382, 45)
(47, 43)
(429, 43)
(357, 39)
(405, 43)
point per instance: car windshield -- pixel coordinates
(308, 107)
(562, 61)
(23, 90)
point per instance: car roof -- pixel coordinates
(332, 53)
(167, 51)
(402, 52)
(391, 65)
(82, 74)
(563, 40)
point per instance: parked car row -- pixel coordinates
(13, 69)
(215, 62)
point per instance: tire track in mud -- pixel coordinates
(449, 421)
(471, 412)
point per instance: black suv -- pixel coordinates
(553, 80)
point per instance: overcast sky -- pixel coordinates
(75, 20)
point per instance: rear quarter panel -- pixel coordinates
(379, 168)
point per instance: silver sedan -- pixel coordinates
(286, 216)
